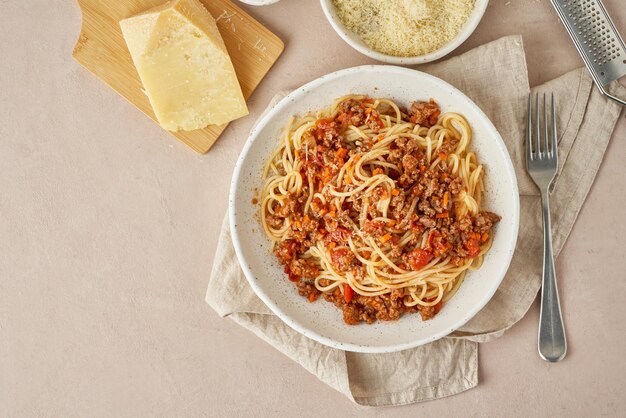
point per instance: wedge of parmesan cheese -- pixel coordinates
(404, 28)
(184, 66)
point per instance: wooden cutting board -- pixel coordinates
(101, 49)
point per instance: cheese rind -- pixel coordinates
(184, 66)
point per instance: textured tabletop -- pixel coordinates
(108, 227)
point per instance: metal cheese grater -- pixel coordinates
(596, 39)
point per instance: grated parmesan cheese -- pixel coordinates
(404, 28)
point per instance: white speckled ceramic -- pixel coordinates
(321, 320)
(357, 43)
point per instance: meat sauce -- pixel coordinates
(323, 154)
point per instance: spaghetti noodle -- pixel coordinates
(377, 208)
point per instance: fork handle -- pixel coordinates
(552, 342)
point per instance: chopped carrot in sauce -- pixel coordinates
(341, 153)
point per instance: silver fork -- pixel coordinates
(542, 162)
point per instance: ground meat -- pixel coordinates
(379, 193)
(437, 205)
(290, 205)
(351, 112)
(374, 122)
(295, 234)
(285, 251)
(485, 220)
(428, 221)
(448, 146)
(395, 155)
(415, 225)
(407, 145)
(339, 235)
(369, 309)
(308, 290)
(431, 187)
(427, 312)
(343, 259)
(424, 113)
(410, 163)
(395, 252)
(327, 131)
(330, 222)
(274, 221)
(343, 217)
(303, 229)
(304, 268)
(465, 223)
(401, 143)
(318, 208)
(423, 203)
(398, 206)
(309, 225)
(456, 186)
(386, 308)
(374, 228)
(351, 315)
(425, 208)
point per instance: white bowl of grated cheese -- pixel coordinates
(404, 32)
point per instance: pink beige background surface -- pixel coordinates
(108, 227)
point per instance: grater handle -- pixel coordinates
(586, 60)
(610, 96)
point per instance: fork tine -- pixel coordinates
(554, 143)
(529, 132)
(537, 138)
(545, 145)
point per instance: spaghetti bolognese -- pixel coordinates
(377, 208)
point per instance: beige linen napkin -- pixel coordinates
(495, 77)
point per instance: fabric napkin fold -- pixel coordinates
(495, 77)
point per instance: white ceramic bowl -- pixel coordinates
(357, 43)
(321, 320)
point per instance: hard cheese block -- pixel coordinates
(184, 66)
